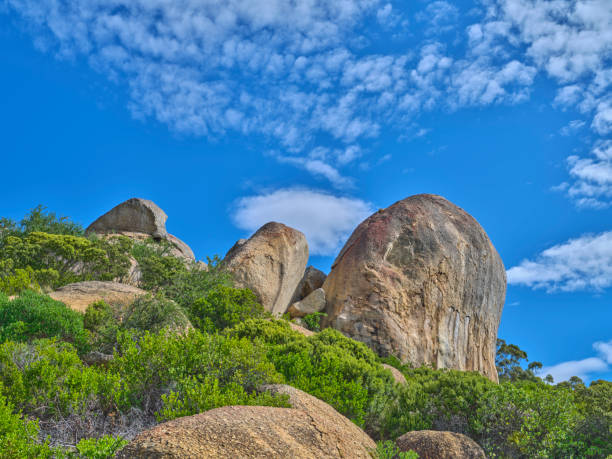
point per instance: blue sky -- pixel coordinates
(230, 114)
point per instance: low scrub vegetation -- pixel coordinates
(196, 343)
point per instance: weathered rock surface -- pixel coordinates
(79, 295)
(431, 444)
(420, 280)
(352, 441)
(139, 219)
(300, 329)
(255, 431)
(271, 263)
(312, 280)
(397, 375)
(315, 302)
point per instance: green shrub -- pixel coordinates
(53, 260)
(18, 436)
(389, 450)
(336, 369)
(158, 267)
(177, 379)
(100, 448)
(313, 321)
(100, 321)
(224, 307)
(32, 316)
(155, 312)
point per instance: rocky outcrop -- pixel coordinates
(430, 444)
(398, 376)
(79, 295)
(315, 302)
(271, 263)
(312, 429)
(420, 280)
(139, 219)
(298, 328)
(312, 280)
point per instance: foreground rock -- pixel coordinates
(271, 263)
(312, 280)
(420, 280)
(430, 444)
(310, 430)
(398, 376)
(139, 219)
(79, 295)
(315, 302)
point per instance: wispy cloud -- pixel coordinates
(326, 220)
(584, 368)
(584, 263)
(300, 73)
(591, 176)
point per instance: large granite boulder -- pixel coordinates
(139, 219)
(271, 263)
(79, 295)
(431, 444)
(306, 431)
(420, 280)
(313, 279)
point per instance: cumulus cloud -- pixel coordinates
(326, 220)
(584, 368)
(584, 263)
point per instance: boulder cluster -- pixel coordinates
(419, 280)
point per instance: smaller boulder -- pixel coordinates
(310, 430)
(315, 302)
(301, 329)
(397, 375)
(312, 280)
(432, 444)
(134, 215)
(271, 263)
(79, 295)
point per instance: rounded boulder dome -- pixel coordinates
(420, 280)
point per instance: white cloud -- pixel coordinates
(592, 177)
(585, 368)
(441, 16)
(325, 219)
(572, 127)
(584, 263)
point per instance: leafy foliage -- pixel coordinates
(336, 369)
(224, 307)
(508, 361)
(313, 321)
(32, 316)
(154, 313)
(100, 448)
(18, 436)
(389, 450)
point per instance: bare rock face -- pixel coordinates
(312, 280)
(79, 295)
(314, 302)
(420, 280)
(397, 375)
(139, 219)
(253, 431)
(271, 263)
(352, 441)
(431, 444)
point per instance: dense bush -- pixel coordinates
(53, 260)
(224, 307)
(154, 313)
(18, 436)
(32, 316)
(336, 369)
